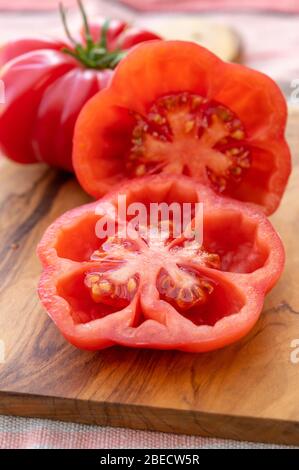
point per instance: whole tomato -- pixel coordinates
(47, 82)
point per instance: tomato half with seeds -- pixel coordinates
(175, 108)
(149, 286)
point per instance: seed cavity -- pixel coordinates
(140, 170)
(121, 267)
(195, 292)
(200, 125)
(189, 126)
(105, 290)
(132, 285)
(238, 134)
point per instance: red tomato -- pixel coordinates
(116, 27)
(47, 82)
(120, 34)
(173, 107)
(153, 290)
(18, 47)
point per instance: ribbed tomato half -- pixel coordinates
(152, 289)
(173, 107)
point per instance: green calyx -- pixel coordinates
(94, 55)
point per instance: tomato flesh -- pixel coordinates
(188, 134)
(184, 290)
(118, 283)
(114, 286)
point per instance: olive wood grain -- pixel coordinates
(246, 391)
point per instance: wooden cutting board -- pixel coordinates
(248, 391)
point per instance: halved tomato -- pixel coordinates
(149, 287)
(174, 108)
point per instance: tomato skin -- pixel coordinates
(115, 29)
(22, 97)
(120, 34)
(57, 114)
(133, 36)
(15, 48)
(65, 250)
(45, 91)
(254, 98)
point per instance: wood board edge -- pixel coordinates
(189, 422)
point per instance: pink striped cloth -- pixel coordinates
(170, 5)
(270, 43)
(208, 5)
(33, 4)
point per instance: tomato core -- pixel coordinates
(121, 259)
(188, 134)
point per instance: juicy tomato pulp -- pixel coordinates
(188, 134)
(151, 286)
(123, 260)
